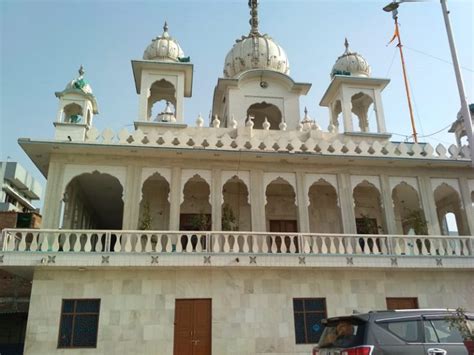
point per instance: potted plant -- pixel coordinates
(146, 219)
(459, 320)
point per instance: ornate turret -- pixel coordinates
(350, 63)
(255, 51)
(77, 107)
(164, 48)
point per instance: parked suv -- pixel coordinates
(407, 332)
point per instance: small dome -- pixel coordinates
(79, 83)
(350, 63)
(255, 51)
(164, 48)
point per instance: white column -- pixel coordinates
(388, 205)
(143, 104)
(379, 114)
(346, 203)
(175, 198)
(216, 199)
(346, 106)
(467, 203)
(53, 196)
(429, 205)
(257, 201)
(301, 198)
(131, 198)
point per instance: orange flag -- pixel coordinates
(395, 35)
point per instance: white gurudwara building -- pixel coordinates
(240, 236)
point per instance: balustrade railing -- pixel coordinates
(107, 241)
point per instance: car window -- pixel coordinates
(439, 331)
(343, 333)
(407, 330)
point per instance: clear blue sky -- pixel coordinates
(43, 43)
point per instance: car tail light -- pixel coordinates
(315, 352)
(360, 350)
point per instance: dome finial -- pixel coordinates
(346, 44)
(253, 4)
(165, 27)
(81, 70)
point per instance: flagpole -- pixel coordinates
(407, 88)
(466, 115)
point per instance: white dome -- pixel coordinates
(351, 63)
(255, 51)
(164, 48)
(79, 83)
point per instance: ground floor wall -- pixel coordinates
(252, 309)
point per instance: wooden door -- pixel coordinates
(192, 327)
(283, 226)
(402, 303)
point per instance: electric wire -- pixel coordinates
(437, 58)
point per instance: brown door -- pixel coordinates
(192, 327)
(283, 226)
(402, 303)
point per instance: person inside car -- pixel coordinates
(345, 334)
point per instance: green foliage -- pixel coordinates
(201, 222)
(416, 220)
(459, 321)
(145, 220)
(228, 219)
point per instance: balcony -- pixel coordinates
(120, 248)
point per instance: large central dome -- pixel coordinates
(255, 51)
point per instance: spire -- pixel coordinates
(165, 30)
(346, 44)
(253, 4)
(81, 70)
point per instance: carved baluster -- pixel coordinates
(66, 244)
(98, 244)
(199, 243)
(127, 246)
(449, 249)
(226, 247)
(44, 243)
(457, 246)
(397, 249)
(87, 244)
(179, 243)
(189, 244)
(215, 243)
(332, 246)
(383, 245)
(324, 248)
(340, 245)
(34, 242)
(274, 248)
(348, 242)
(22, 245)
(246, 246)
(306, 248)
(358, 247)
(148, 247)
(293, 244)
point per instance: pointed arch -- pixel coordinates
(93, 201)
(236, 213)
(368, 208)
(448, 200)
(323, 209)
(154, 207)
(409, 216)
(263, 110)
(195, 209)
(281, 211)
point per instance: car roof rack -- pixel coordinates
(415, 310)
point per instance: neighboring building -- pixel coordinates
(239, 237)
(18, 188)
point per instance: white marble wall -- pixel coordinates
(252, 311)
